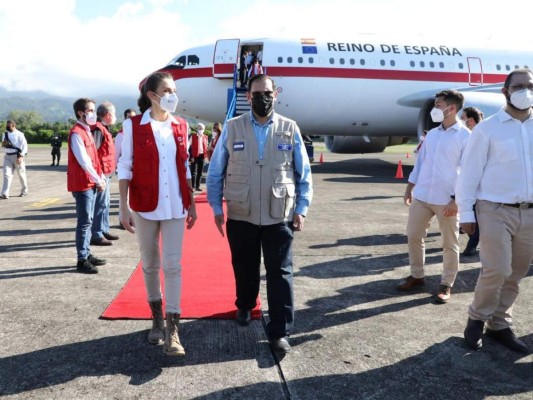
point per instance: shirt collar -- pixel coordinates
(503, 115)
(146, 118)
(84, 125)
(270, 120)
(458, 125)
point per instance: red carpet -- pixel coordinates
(208, 284)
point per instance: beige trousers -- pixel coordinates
(506, 252)
(421, 216)
(10, 166)
(171, 232)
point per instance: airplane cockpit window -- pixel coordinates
(289, 60)
(193, 60)
(352, 61)
(280, 60)
(362, 62)
(412, 63)
(300, 60)
(332, 60)
(311, 60)
(180, 62)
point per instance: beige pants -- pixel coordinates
(10, 166)
(421, 216)
(148, 233)
(506, 251)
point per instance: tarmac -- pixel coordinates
(355, 336)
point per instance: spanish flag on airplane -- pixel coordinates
(308, 46)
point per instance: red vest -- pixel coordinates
(144, 184)
(194, 145)
(77, 179)
(106, 151)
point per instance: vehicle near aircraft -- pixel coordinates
(361, 95)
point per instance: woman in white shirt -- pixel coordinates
(153, 169)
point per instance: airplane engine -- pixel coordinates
(355, 144)
(488, 102)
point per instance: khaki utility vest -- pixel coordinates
(261, 192)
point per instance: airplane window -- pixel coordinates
(280, 60)
(332, 60)
(432, 64)
(441, 64)
(362, 62)
(300, 60)
(341, 61)
(461, 65)
(412, 63)
(289, 60)
(392, 63)
(382, 62)
(193, 60)
(311, 60)
(516, 66)
(180, 62)
(507, 67)
(525, 66)
(352, 61)
(498, 67)
(422, 64)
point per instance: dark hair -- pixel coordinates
(11, 121)
(150, 85)
(127, 112)
(475, 113)
(260, 77)
(219, 125)
(81, 105)
(452, 97)
(516, 71)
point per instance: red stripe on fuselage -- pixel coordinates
(353, 73)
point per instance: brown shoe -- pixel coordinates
(444, 294)
(101, 242)
(411, 284)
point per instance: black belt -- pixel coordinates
(522, 206)
(11, 154)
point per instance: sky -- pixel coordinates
(81, 48)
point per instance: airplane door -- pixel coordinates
(475, 71)
(225, 58)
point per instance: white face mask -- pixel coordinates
(437, 115)
(169, 102)
(522, 99)
(90, 118)
(113, 120)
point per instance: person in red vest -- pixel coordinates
(153, 170)
(215, 134)
(199, 148)
(84, 179)
(105, 147)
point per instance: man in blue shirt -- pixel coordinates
(260, 167)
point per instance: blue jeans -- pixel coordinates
(246, 241)
(85, 211)
(101, 212)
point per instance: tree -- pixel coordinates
(25, 119)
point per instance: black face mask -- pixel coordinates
(262, 104)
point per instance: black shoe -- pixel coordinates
(474, 333)
(244, 317)
(85, 267)
(101, 242)
(96, 261)
(52, 164)
(4, 197)
(109, 236)
(470, 251)
(23, 194)
(507, 338)
(280, 346)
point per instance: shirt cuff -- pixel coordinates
(217, 210)
(467, 216)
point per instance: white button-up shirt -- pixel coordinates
(438, 163)
(18, 140)
(169, 205)
(78, 148)
(497, 164)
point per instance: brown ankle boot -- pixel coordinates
(157, 333)
(172, 345)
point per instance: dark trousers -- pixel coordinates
(246, 241)
(56, 153)
(197, 167)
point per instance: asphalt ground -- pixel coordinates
(355, 336)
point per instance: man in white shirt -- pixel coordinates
(431, 192)
(497, 175)
(15, 148)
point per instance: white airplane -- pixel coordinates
(362, 96)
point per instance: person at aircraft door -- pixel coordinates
(430, 193)
(198, 150)
(497, 175)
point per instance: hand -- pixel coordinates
(298, 222)
(450, 210)
(219, 222)
(191, 217)
(408, 197)
(20, 159)
(101, 187)
(468, 227)
(127, 219)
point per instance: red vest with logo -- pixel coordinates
(194, 145)
(106, 151)
(77, 179)
(144, 184)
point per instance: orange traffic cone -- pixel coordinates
(321, 158)
(399, 171)
(407, 156)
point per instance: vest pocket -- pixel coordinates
(237, 199)
(282, 200)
